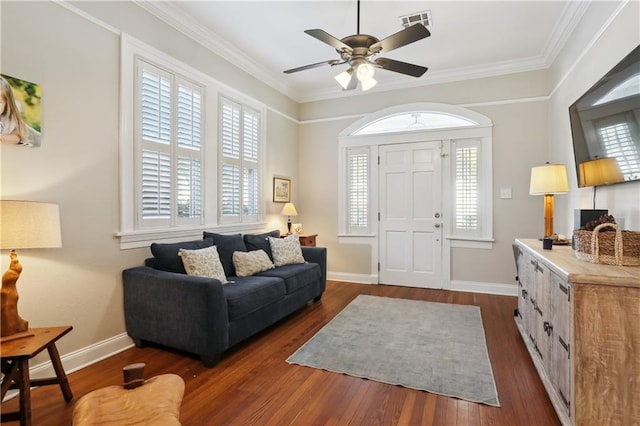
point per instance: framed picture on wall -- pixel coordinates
(20, 117)
(281, 190)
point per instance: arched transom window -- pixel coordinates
(415, 121)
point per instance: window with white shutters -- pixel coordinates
(466, 183)
(358, 190)
(239, 162)
(169, 134)
(190, 151)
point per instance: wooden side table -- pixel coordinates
(14, 359)
(308, 240)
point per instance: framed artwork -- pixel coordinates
(21, 117)
(281, 190)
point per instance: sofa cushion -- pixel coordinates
(286, 251)
(166, 254)
(203, 263)
(227, 244)
(261, 241)
(295, 276)
(247, 294)
(251, 262)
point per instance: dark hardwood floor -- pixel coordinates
(253, 384)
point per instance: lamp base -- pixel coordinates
(10, 322)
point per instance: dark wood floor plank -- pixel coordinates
(253, 384)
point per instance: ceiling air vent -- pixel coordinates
(423, 18)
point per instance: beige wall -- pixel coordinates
(76, 62)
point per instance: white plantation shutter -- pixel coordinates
(467, 188)
(240, 163)
(156, 106)
(189, 192)
(156, 185)
(615, 134)
(230, 190)
(230, 123)
(251, 177)
(358, 190)
(189, 117)
(170, 136)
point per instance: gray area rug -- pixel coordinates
(434, 347)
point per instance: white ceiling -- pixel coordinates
(468, 38)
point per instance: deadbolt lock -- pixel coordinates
(437, 215)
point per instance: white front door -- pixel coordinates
(410, 225)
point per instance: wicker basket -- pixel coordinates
(611, 248)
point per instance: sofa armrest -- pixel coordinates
(177, 310)
(317, 255)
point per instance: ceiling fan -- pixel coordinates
(360, 51)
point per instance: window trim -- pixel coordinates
(128, 234)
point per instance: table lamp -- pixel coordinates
(289, 210)
(548, 180)
(23, 225)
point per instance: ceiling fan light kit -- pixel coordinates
(359, 51)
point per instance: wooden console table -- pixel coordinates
(579, 322)
(14, 359)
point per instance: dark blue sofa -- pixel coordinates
(164, 305)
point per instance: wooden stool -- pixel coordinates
(150, 402)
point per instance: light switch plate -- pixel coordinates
(505, 193)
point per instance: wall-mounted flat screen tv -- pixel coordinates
(605, 125)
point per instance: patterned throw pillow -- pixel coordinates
(203, 263)
(251, 262)
(286, 251)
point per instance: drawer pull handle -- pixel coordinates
(564, 399)
(564, 289)
(565, 346)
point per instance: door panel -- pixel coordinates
(410, 199)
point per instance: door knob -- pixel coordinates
(437, 225)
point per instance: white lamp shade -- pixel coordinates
(549, 179)
(28, 224)
(368, 84)
(601, 171)
(344, 78)
(289, 210)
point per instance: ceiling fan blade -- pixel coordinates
(332, 62)
(401, 38)
(401, 67)
(325, 37)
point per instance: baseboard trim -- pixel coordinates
(468, 286)
(352, 278)
(486, 288)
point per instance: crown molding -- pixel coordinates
(571, 16)
(182, 22)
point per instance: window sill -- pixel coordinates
(356, 238)
(469, 242)
(144, 238)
